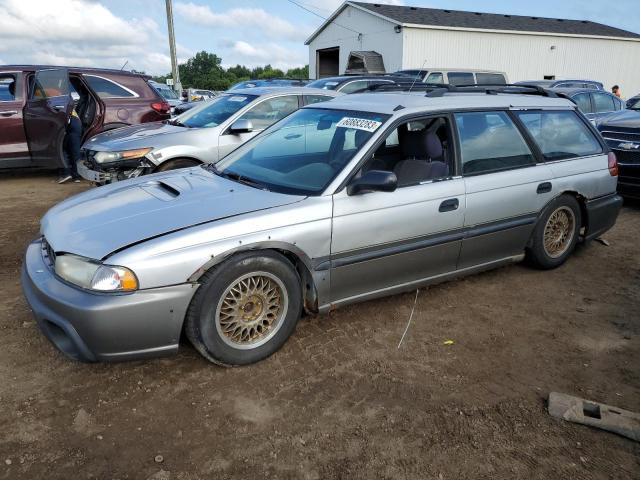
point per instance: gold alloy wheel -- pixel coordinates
(559, 231)
(251, 310)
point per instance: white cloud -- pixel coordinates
(79, 32)
(248, 18)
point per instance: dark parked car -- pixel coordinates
(35, 103)
(358, 83)
(595, 104)
(591, 84)
(633, 102)
(621, 130)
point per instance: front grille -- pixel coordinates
(49, 254)
(628, 157)
(624, 135)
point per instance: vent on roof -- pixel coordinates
(412, 8)
(477, 13)
(377, 5)
(507, 16)
(447, 11)
(560, 20)
(584, 21)
(534, 18)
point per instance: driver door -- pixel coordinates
(46, 115)
(262, 115)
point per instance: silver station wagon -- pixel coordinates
(342, 201)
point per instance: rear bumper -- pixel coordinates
(93, 327)
(602, 214)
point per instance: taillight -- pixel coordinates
(613, 164)
(161, 107)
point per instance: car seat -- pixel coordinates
(421, 150)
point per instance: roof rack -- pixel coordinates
(439, 89)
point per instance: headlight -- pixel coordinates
(108, 157)
(94, 276)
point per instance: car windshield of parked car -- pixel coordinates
(304, 152)
(214, 112)
(326, 84)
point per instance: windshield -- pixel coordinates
(634, 103)
(214, 112)
(326, 84)
(304, 152)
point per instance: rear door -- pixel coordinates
(603, 105)
(46, 115)
(14, 151)
(505, 187)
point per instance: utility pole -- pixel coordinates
(177, 86)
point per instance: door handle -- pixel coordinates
(291, 136)
(544, 187)
(449, 205)
(8, 113)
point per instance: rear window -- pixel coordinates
(560, 134)
(490, 79)
(461, 78)
(106, 88)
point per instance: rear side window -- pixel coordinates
(7, 88)
(461, 78)
(490, 142)
(490, 78)
(354, 86)
(603, 102)
(311, 99)
(269, 111)
(106, 88)
(560, 134)
(584, 102)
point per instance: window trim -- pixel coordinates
(133, 94)
(535, 152)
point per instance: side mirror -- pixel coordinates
(373, 181)
(241, 126)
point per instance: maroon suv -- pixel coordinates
(35, 103)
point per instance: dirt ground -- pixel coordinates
(340, 400)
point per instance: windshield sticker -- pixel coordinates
(237, 98)
(359, 124)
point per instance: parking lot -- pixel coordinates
(340, 400)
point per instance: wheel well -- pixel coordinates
(582, 201)
(192, 159)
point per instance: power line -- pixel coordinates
(320, 16)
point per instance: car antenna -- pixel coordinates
(124, 65)
(419, 72)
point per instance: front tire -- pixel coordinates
(556, 233)
(245, 309)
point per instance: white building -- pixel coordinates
(526, 48)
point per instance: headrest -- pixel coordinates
(434, 146)
(12, 88)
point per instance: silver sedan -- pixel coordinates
(342, 201)
(204, 133)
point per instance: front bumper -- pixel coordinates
(93, 327)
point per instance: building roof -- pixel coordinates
(433, 17)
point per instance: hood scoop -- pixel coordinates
(161, 190)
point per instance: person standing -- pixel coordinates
(72, 144)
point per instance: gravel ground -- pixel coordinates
(341, 400)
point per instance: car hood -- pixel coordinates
(100, 221)
(152, 134)
(623, 118)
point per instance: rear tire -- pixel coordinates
(245, 309)
(177, 163)
(556, 233)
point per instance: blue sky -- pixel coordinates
(109, 32)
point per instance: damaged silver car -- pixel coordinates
(343, 201)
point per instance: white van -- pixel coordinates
(457, 76)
